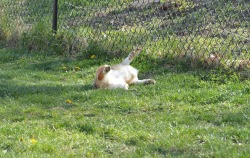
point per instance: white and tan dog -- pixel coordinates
(119, 76)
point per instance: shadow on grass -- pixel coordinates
(172, 151)
(146, 64)
(9, 55)
(57, 63)
(12, 89)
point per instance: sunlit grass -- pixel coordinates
(49, 108)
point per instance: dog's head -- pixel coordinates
(101, 72)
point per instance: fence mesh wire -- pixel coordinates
(213, 32)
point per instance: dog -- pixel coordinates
(121, 75)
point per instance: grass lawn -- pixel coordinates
(48, 108)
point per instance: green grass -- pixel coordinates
(48, 107)
(187, 113)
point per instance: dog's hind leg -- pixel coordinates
(131, 56)
(144, 81)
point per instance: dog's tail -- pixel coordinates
(131, 56)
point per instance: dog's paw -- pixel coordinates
(150, 81)
(126, 86)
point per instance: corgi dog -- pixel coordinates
(121, 75)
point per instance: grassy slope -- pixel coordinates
(183, 27)
(187, 113)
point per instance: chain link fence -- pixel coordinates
(211, 32)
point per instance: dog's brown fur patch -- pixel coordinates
(99, 73)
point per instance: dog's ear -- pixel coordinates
(100, 76)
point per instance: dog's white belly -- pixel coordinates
(123, 72)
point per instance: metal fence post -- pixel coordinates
(55, 16)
